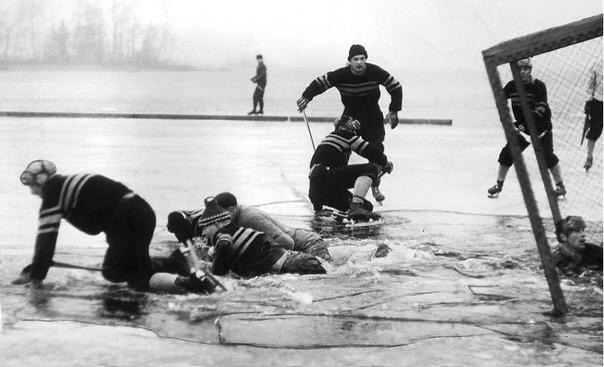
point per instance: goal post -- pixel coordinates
(561, 57)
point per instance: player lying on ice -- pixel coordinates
(93, 204)
(331, 176)
(244, 251)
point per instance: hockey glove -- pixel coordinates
(302, 103)
(388, 168)
(391, 119)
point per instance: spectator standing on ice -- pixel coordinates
(593, 109)
(359, 87)
(331, 176)
(536, 94)
(93, 204)
(260, 80)
(574, 254)
(186, 224)
(245, 251)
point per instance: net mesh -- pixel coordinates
(566, 74)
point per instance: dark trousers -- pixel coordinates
(330, 186)
(258, 98)
(595, 121)
(547, 144)
(372, 126)
(129, 234)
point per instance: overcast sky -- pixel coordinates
(434, 33)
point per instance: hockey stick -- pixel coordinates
(59, 264)
(585, 127)
(193, 262)
(309, 132)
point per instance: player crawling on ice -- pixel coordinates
(93, 204)
(536, 93)
(244, 251)
(331, 176)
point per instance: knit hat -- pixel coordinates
(226, 199)
(213, 213)
(37, 172)
(356, 50)
(258, 56)
(348, 123)
(525, 62)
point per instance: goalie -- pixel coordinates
(536, 94)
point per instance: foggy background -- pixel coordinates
(413, 34)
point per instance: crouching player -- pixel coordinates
(244, 251)
(93, 204)
(331, 176)
(574, 254)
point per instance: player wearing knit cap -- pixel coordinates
(536, 94)
(359, 87)
(242, 250)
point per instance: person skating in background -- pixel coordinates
(93, 204)
(244, 251)
(359, 87)
(331, 176)
(260, 80)
(593, 110)
(185, 224)
(574, 255)
(536, 94)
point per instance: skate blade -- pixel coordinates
(363, 223)
(493, 196)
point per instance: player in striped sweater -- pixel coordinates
(331, 176)
(536, 94)
(93, 204)
(185, 224)
(359, 87)
(247, 252)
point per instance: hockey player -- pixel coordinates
(359, 87)
(247, 252)
(297, 239)
(93, 204)
(574, 254)
(593, 109)
(331, 176)
(260, 80)
(185, 224)
(536, 94)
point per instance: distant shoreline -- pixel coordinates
(27, 65)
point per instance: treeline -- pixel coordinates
(82, 33)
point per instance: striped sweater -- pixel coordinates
(359, 93)
(85, 200)
(536, 94)
(335, 149)
(244, 251)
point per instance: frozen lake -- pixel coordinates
(461, 286)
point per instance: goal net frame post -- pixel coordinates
(509, 52)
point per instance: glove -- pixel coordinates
(392, 119)
(587, 108)
(388, 167)
(302, 103)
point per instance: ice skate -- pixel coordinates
(560, 191)
(588, 163)
(495, 190)
(358, 213)
(252, 112)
